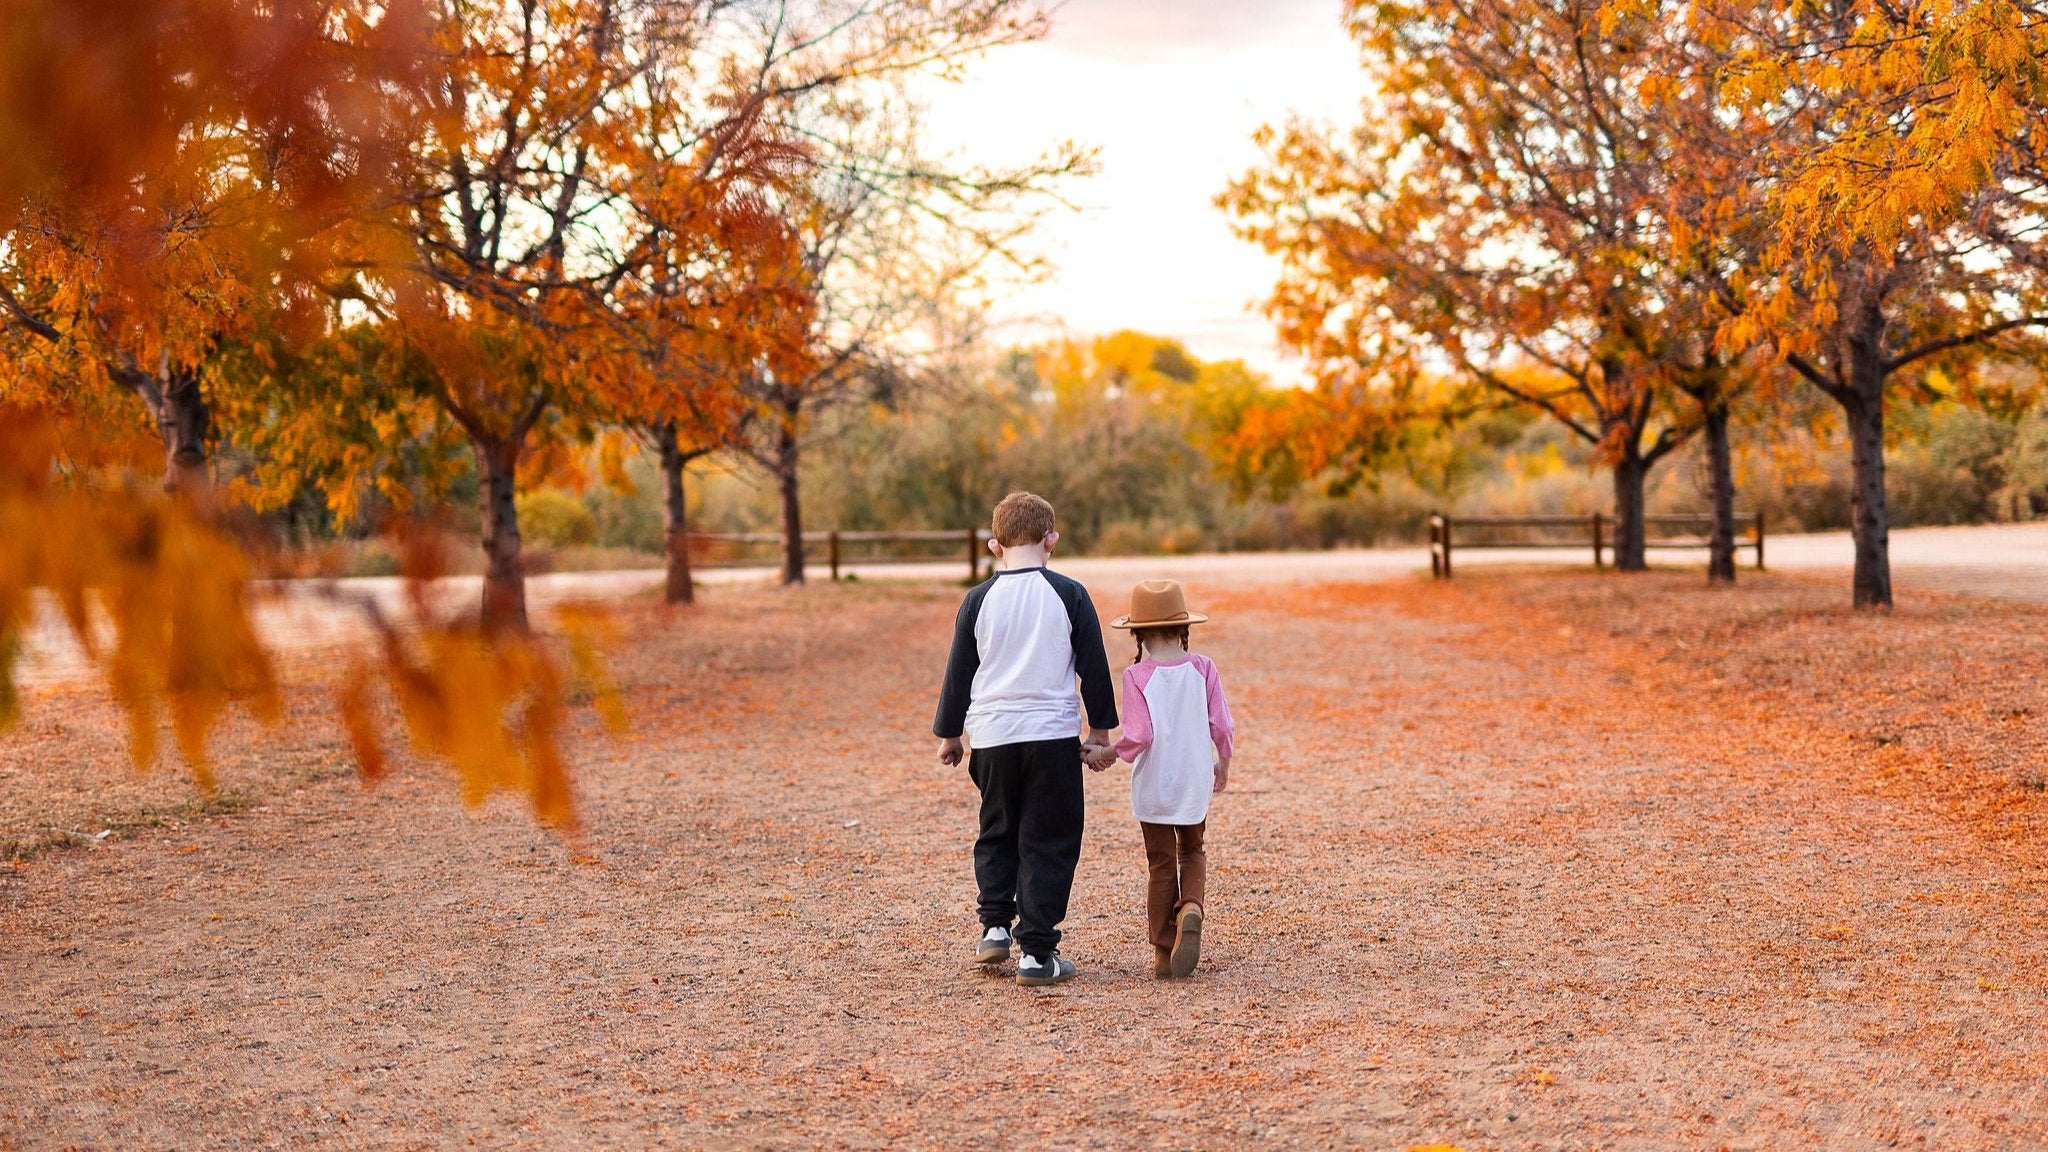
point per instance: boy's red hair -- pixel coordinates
(1022, 518)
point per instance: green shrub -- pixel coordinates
(555, 518)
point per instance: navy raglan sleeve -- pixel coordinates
(1098, 688)
(961, 665)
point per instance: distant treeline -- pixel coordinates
(1131, 438)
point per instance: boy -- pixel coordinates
(1021, 638)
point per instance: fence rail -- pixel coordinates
(1442, 544)
(843, 549)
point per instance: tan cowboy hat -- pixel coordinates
(1158, 604)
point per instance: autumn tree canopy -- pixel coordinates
(174, 174)
(352, 240)
(1496, 214)
(1634, 216)
(1859, 286)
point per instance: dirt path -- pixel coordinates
(1503, 865)
(1999, 561)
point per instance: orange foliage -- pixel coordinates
(170, 587)
(172, 172)
(1920, 103)
(365, 231)
(104, 103)
(159, 598)
(1471, 245)
(491, 704)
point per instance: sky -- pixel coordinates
(1170, 91)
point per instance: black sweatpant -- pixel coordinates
(1031, 811)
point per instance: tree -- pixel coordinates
(752, 313)
(1124, 429)
(1496, 212)
(169, 168)
(1923, 102)
(572, 148)
(1855, 291)
(173, 189)
(1703, 203)
(1121, 432)
(174, 171)
(897, 250)
(581, 154)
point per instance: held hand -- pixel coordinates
(1222, 775)
(1098, 751)
(950, 751)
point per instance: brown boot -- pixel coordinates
(1187, 941)
(1162, 962)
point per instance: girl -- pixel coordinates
(1174, 713)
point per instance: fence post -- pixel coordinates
(1599, 565)
(832, 551)
(1436, 564)
(973, 555)
(1759, 540)
(1447, 546)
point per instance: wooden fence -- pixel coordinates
(844, 549)
(1484, 532)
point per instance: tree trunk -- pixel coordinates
(1630, 473)
(1869, 518)
(675, 529)
(786, 458)
(1862, 399)
(504, 575)
(1721, 478)
(183, 419)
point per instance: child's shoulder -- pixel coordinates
(1203, 664)
(1071, 592)
(975, 595)
(1061, 580)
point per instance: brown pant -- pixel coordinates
(1180, 874)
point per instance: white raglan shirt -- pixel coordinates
(1022, 638)
(1176, 723)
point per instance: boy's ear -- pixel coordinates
(1051, 538)
(995, 546)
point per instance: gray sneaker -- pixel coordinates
(994, 947)
(1037, 971)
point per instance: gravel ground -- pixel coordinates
(1525, 861)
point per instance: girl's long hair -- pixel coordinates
(1172, 631)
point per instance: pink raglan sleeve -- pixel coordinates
(1222, 730)
(1137, 715)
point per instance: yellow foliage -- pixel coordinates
(590, 632)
